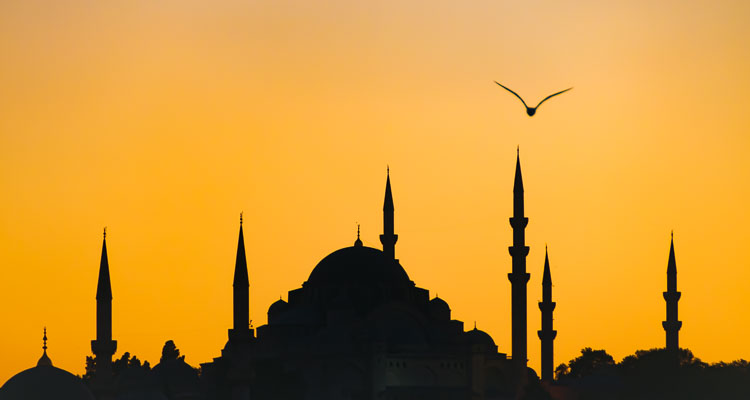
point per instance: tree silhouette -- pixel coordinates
(90, 369)
(590, 362)
(654, 374)
(170, 352)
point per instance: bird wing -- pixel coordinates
(552, 95)
(516, 94)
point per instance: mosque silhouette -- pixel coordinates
(358, 328)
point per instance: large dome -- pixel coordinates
(358, 266)
(45, 382)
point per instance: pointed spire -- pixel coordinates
(671, 266)
(547, 277)
(388, 238)
(240, 293)
(104, 286)
(240, 265)
(44, 360)
(518, 183)
(388, 203)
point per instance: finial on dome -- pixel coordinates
(475, 325)
(44, 360)
(358, 242)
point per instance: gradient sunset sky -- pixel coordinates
(162, 120)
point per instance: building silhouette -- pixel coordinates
(357, 328)
(672, 296)
(547, 334)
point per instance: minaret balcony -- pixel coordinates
(519, 222)
(516, 251)
(547, 335)
(671, 325)
(103, 348)
(672, 296)
(519, 277)
(547, 306)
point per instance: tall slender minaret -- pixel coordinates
(388, 238)
(518, 277)
(103, 347)
(672, 296)
(547, 334)
(241, 294)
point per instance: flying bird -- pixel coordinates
(532, 110)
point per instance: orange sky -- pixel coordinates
(163, 120)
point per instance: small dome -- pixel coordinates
(45, 382)
(475, 336)
(278, 306)
(358, 266)
(276, 310)
(439, 309)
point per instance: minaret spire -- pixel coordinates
(44, 360)
(241, 294)
(358, 242)
(103, 347)
(518, 277)
(547, 334)
(672, 296)
(104, 286)
(388, 238)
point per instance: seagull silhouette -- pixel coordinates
(532, 110)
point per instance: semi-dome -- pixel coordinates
(358, 266)
(45, 382)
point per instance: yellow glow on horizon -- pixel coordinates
(164, 121)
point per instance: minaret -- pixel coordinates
(388, 238)
(241, 294)
(672, 296)
(103, 347)
(518, 277)
(547, 334)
